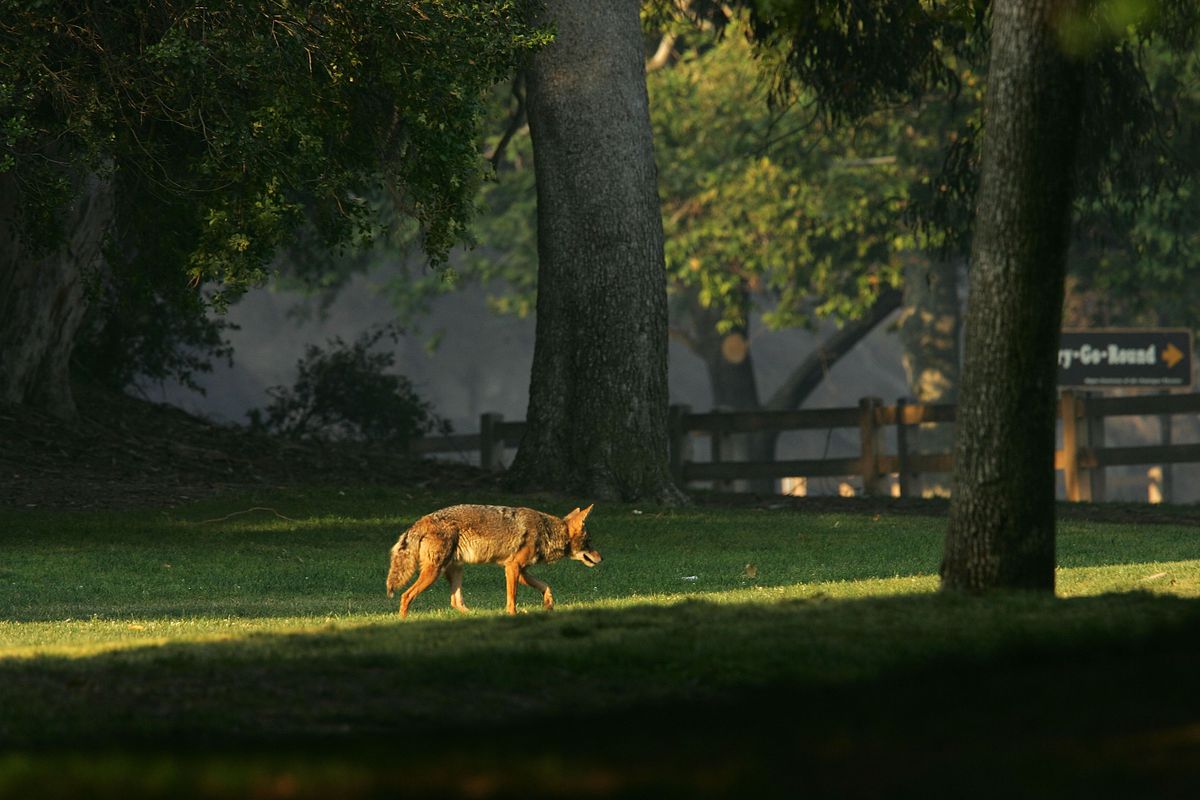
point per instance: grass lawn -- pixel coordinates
(205, 652)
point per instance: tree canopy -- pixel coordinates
(235, 122)
(214, 132)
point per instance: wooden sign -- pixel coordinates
(1150, 358)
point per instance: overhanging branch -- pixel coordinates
(812, 370)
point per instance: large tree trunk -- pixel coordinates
(928, 328)
(43, 295)
(597, 420)
(1001, 530)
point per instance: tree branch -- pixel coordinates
(666, 46)
(811, 371)
(515, 122)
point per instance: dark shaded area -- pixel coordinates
(123, 452)
(1062, 714)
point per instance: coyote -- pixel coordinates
(470, 534)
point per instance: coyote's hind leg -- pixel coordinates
(454, 575)
(429, 574)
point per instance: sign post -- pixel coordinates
(1126, 358)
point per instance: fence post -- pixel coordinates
(1092, 478)
(680, 443)
(1166, 428)
(719, 441)
(1073, 487)
(491, 444)
(869, 436)
(903, 475)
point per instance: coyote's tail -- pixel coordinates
(404, 563)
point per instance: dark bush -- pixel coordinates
(345, 392)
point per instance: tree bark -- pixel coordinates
(597, 419)
(43, 295)
(1001, 529)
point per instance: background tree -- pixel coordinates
(773, 211)
(597, 420)
(1134, 255)
(828, 193)
(1001, 530)
(769, 211)
(169, 146)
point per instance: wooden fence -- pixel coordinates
(1084, 455)
(1082, 458)
(494, 436)
(869, 418)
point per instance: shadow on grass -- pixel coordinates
(690, 698)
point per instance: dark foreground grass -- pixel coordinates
(713, 652)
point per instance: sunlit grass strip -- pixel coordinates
(86, 583)
(85, 638)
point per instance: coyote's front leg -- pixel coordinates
(541, 586)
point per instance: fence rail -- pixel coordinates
(494, 436)
(870, 418)
(1082, 458)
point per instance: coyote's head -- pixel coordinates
(578, 545)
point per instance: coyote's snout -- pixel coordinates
(515, 538)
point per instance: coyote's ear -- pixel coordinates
(575, 518)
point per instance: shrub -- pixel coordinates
(345, 392)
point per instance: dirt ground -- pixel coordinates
(123, 452)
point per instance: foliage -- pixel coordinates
(777, 204)
(780, 189)
(854, 57)
(773, 207)
(770, 206)
(225, 125)
(1136, 254)
(760, 205)
(345, 392)
(145, 336)
(1137, 190)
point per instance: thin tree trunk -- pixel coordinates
(733, 381)
(597, 419)
(1001, 530)
(928, 328)
(730, 366)
(43, 296)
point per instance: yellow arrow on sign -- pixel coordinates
(1172, 355)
